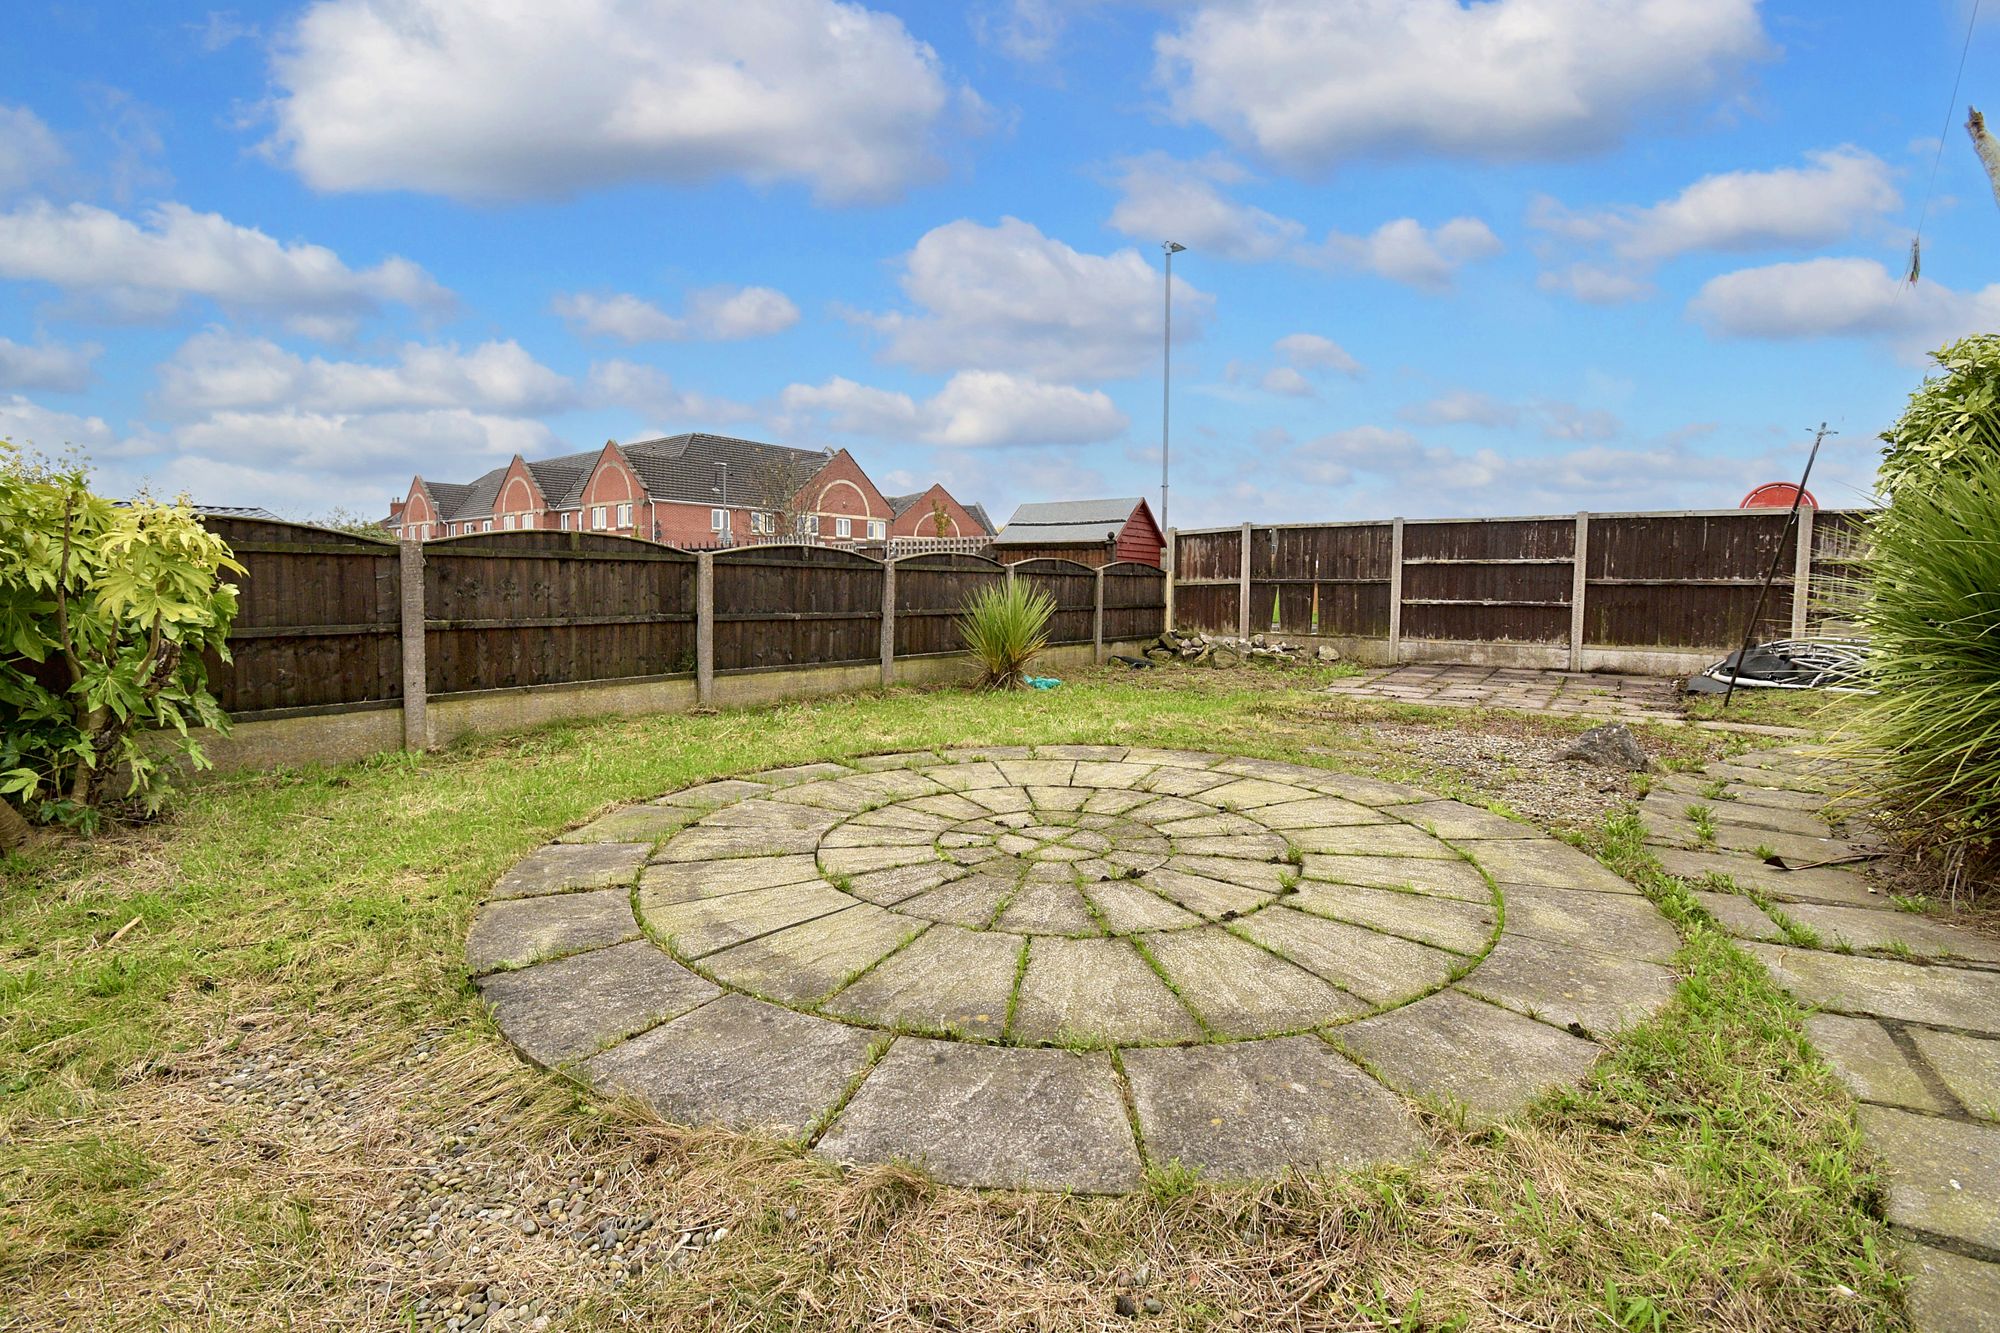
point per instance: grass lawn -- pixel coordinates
(237, 1049)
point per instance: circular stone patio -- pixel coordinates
(1049, 967)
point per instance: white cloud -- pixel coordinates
(1462, 407)
(45, 366)
(1312, 351)
(1025, 30)
(223, 372)
(28, 423)
(1594, 284)
(129, 269)
(1309, 84)
(1163, 199)
(482, 100)
(652, 391)
(718, 314)
(1406, 251)
(1007, 297)
(1554, 419)
(1819, 298)
(976, 408)
(1287, 381)
(29, 150)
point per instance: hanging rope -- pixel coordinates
(1951, 109)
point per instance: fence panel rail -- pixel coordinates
(1135, 601)
(931, 591)
(778, 606)
(1074, 588)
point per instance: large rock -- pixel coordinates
(1609, 746)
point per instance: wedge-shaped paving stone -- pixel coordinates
(1570, 986)
(793, 776)
(992, 1117)
(804, 964)
(861, 790)
(1211, 898)
(1140, 754)
(1222, 823)
(889, 887)
(860, 860)
(572, 1007)
(1240, 990)
(1131, 909)
(1685, 789)
(1489, 1059)
(715, 793)
(1969, 1066)
(955, 806)
(698, 928)
(771, 815)
(1318, 812)
(634, 823)
(740, 1063)
(1271, 770)
(1184, 782)
(1613, 923)
(1247, 847)
(1058, 798)
(1106, 754)
(948, 980)
(1250, 793)
(1949, 1293)
(687, 881)
(877, 763)
(1398, 840)
(1886, 928)
(1870, 1062)
(1466, 928)
(966, 777)
(1824, 884)
(1037, 772)
(968, 754)
(1157, 810)
(971, 900)
(563, 867)
(1445, 879)
(877, 835)
(520, 931)
(708, 842)
(1741, 814)
(905, 817)
(1098, 773)
(1096, 991)
(1739, 916)
(1246, 1110)
(1378, 968)
(1116, 800)
(1943, 1175)
(998, 800)
(1048, 907)
(1456, 820)
(1545, 862)
(1937, 995)
(1364, 790)
(1266, 877)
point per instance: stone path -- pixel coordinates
(1050, 968)
(1580, 693)
(1908, 1008)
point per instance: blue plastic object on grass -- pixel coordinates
(1042, 682)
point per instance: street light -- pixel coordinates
(724, 537)
(1172, 248)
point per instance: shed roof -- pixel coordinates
(1057, 522)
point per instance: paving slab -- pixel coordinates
(1872, 1064)
(1545, 862)
(711, 842)
(565, 867)
(1239, 990)
(861, 860)
(714, 793)
(805, 963)
(1886, 927)
(1949, 1293)
(877, 835)
(1739, 814)
(1589, 993)
(1447, 923)
(1969, 1066)
(1457, 1049)
(1109, 754)
(1455, 820)
(519, 931)
(949, 979)
(1318, 812)
(1447, 879)
(1096, 992)
(1613, 923)
(1364, 790)
(1265, 877)
(1378, 968)
(740, 1063)
(703, 926)
(1943, 1176)
(887, 888)
(771, 815)
(1246, 1110)
(1395, 840)
(1048, 907)
(972, 900)
(1129, 908)
(633, 823)
(966, 777)
(1941, 996)
(1739, 916)
(573, 1007)
(686, 881)
(797, 773)
(1250, 793)
(992, 1117)
(1825, 884)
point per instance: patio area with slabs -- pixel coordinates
(1049, 968)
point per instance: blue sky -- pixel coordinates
(1518, 256)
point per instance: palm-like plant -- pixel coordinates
(1005, 626)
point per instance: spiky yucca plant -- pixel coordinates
(1931, 609)
(1005, 626)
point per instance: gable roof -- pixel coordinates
(900, 504)
(978, 511)
(689, 468)
(1063, 521)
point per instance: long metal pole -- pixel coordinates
(1750, 632)
(1166, 384)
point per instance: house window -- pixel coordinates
(625, 516)
(507, 523)
(565, 520)
(718, 520)
(877, 529)
(597, 517)
(843, 527)
(486, 525)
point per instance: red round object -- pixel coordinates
(1777, 495)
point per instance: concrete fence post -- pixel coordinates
(1802, 573)
(416, 715)
(704, 627)
(1243, 590)
(888, 622)
(1097, 622)
(1579, 584)
(1172, 563)
(1395, 591)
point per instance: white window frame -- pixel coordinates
(877, 529)
(624, 516)
(718, 520)
(843, 527)
(506, 523)
(597, 518)
(486, 525)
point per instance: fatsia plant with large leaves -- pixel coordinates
(106, 610)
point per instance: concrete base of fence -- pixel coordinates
(1537, 656)
(348, 735)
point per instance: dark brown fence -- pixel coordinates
(778, 606)
(1074, 588)
(1664, 581)
(1135, 599)
(931, 590)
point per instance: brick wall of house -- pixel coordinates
(612, 483)
(419, 518)
(520, 498)
(842, 490)
(917, 521)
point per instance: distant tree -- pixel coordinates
(342, 519)
(940, 518)
(1953, 420)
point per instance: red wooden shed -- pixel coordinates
(1090, 532)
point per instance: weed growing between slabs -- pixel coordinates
(242, 1112)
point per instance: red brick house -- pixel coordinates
(917, 516)
(1091, 532)
(686, 490)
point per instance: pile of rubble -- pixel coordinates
(1225, 650)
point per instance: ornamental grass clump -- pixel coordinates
(1005, 627)
(1930, 605)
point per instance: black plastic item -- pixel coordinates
(1136, 663)
(1786, 664)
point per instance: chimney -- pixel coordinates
(395, 510)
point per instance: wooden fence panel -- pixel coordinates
(1840, 541)
(931, 591)
(1685, 580)
(1498, 581)
(1208, 555)
(506, 609)
(1135, 601)
(1331, 580)
(796, 606)
(1074, 588)
(1209, 608)
(317, 619)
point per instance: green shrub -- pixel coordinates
(1953, 419)
(1005, 626)
(105, 612)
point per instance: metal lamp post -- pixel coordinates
(726, 537)
(1171, 248)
